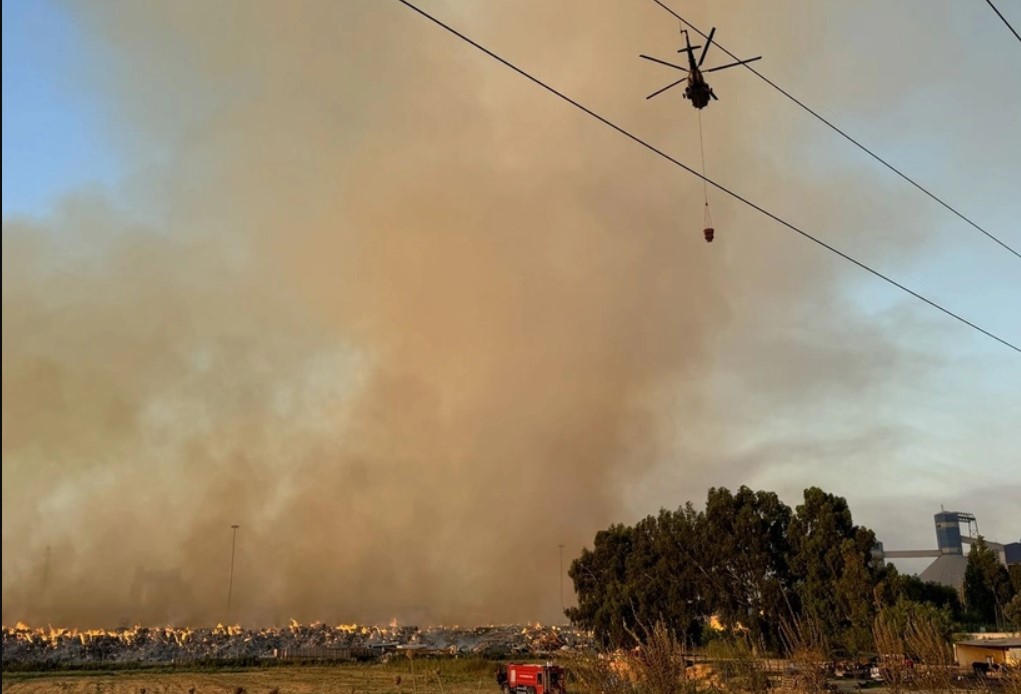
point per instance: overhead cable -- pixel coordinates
(708, 180)
(1000, 15)
(843, 134)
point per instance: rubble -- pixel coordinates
(25, 645)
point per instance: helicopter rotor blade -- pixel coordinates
(708, 40)
(740, 62)
(685, 50)
(660, 91)
(663, 62)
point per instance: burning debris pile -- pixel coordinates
(24, 645)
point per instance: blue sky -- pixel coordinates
(53, 135)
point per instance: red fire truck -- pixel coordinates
(531, 679)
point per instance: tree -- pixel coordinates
(666, 584)
(747, 559)
(745, 552)
(1015, 577)
(678, 541)
(987, 586)
(896, 586)
(600, 578)
(635, 577)
(832, 566)
(854, 598)
(1012, 610)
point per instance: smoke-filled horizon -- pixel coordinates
(412, 324)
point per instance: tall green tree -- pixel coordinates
(662, 571)
(987, 585)
(747, 559)
(745, 551)
(854, 592)
(600, 581)
(832, 564)
(635, 577)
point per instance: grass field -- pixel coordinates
(429, 676)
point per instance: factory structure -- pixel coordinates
(949, 558)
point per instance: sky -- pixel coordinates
(53, 137)
(329, 273)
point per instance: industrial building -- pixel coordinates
(950, 560)
(1001, 650)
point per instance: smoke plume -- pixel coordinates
(408, 321)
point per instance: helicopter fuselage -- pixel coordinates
(698, 90)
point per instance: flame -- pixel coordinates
(716, 624)
(168, 642)
(55, 635)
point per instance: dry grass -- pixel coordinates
(1012, 680)
(659, 663)
(738, 669)
(599, 673)
(936, 671)
(809, 653)
(890, 642)
(443, 677)
(657, 666)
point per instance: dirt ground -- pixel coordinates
(436, 677)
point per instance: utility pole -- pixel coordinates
(230, 583)
(561, 580)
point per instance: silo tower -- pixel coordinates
(948, 531)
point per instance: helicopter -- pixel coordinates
(697, 90)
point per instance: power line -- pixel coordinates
(708, 180)
(847, 137)
(1000, 15)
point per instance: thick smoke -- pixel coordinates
(407, 320)
(393, 320)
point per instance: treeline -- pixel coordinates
(748, 564)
